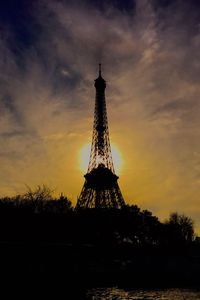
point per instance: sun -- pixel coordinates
(84, 157)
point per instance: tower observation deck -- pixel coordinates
(100, 189)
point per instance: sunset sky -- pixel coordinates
(150, 55)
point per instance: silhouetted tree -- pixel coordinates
(62, 205)
(126, 230)
(180, 228)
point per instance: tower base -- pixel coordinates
(100, 190)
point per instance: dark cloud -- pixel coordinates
(8, 107)
(18, 18)
(179, 106)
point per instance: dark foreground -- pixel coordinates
(47, 245)
(62, 268)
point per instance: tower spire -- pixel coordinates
(101, 189)
(99, 69)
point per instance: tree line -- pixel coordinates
(36, 214)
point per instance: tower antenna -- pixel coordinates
(99, 69)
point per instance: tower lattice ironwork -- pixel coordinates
(101, 189)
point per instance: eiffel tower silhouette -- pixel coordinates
(101, 189)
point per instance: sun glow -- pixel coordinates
(117, 159)
(84, 157)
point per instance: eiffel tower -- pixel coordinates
(101, 189)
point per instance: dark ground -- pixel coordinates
(60, 251)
